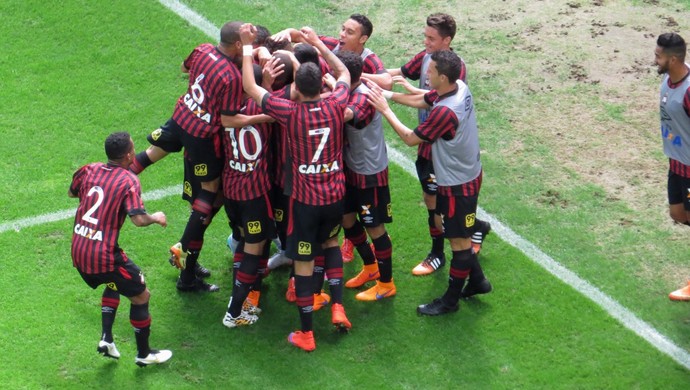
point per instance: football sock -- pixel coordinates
(436, 235)
(460, 267)
(334, 271)
(109, 303)
(140, 319)
(384, 254)
(358, 236)
(237, 259)
(317, 276)
(193, 237)
(305, 301)
(246, 276)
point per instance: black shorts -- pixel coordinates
(127, 279)
(309, 227)
(372, 205)
(280, 204)
(678, 190)
(459, 213)
(253, 218)
(426, 176)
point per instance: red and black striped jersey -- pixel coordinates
(107, 193)
(215, 89)
(246, 171)
(441, 123)
(279, 146)
(315, 144)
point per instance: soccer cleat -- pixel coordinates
(302, 340)
(108, 349)
(201, 272)
(251, 304)
(436, 307)
(278, 260)
(348, 250)
(368, 273)
(154, 357)
(178, 257)
(196, 285)
(472, 289)
(290, 294)
(379, 291)
(429, 265)
(244, 319)
(232, 243)
(338, 317)
(479, 236)
(682, 294)
(321, 300)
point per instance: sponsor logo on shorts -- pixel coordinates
(469, 220)
(112, 286)
(278, 215)
(335, 231)
(365, 209)
(187, 188)
(156, 134)
(200, 170)
(254, 227)
(304, 248)
(389, 210)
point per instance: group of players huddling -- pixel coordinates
(285, 132)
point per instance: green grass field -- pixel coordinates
(74, 72)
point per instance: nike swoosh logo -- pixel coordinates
(381, 296)
(374, 275)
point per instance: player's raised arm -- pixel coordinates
(247, 35)
(341, 72)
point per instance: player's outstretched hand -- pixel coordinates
(309, 35)
(247, 33)
(375, 96)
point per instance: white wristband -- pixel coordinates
(387, 94)
(247, 50)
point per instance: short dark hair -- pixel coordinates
(287, 76)
(305, 52)
(262, 34)
(308, 79)
(258, 74)
(117, 145)
(273, 45)
(448, 64)
(367, 27)
(443, 23)
(230, 33)
(353, 62)
(672, 44)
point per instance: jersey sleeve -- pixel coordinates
(330, 42)
(341, 94)
(77, 179)
(686, 102)
(232, 98)
(362, 110)
(277, 108)
(373, 65)
(442, 123)
(413, 69)
(430, 97)
(133, 203)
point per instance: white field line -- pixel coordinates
(611, 306)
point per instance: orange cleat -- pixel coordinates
(251, 304)
(429, 265)
(302, 340)
(320, 300)
(369, 272)
(682, 294)
(339, 318)
(178, 257)
(290, 294)
(379, 291)
(348, 250)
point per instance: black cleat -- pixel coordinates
(436, 307)
(196, 285)
(201, 272)
(472, 289)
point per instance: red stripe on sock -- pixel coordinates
(140, 323)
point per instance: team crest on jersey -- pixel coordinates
(187, 188)
(254, 227)
(200, 170)
(278, 215)
(156, 134)
(469, 220)
(112, 286)
(304, 248)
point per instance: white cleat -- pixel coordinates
(154, 357)
(232, 243)
(108, 349)
(278, 260)
(243, 319)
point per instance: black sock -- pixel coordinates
(334, 271)
(384, 254)
(317, 276)
(246, 276)
(358, 236)
(109, 303)
(305, 301)
(141, 321)
(436, 235)
(459, 270)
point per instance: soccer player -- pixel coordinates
(451, 129)
(212, 102)
(367, 197)
(315, 141)
(246, 189)
(674, 107)
(107, 194)
(438, 34)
